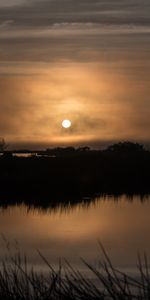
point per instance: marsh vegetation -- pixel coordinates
(76, 173)
(66, 283)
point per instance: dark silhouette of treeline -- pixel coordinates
(68, 174)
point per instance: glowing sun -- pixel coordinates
(66, 123)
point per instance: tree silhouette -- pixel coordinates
(127, 147)
(3, 145)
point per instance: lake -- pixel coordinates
(121, 224)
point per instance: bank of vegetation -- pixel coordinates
(69, 173)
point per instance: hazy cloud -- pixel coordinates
(87, 60)
(41, 13)
(49, 30)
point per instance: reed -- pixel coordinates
(17, 282)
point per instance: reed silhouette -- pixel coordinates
(18, 281)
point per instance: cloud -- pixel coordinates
(87, 60)
(47, 12)
(10, 3)
(104, 102)
(6, 24)
(69, 30)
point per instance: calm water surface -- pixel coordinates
(123, 226)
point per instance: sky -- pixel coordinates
(83, 60)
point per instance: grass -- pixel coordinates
(17, 282)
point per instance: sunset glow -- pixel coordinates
(99, 79)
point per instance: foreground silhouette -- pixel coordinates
(18, 281)
(63, 174)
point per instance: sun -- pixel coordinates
(66, 123)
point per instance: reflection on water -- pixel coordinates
(30, 154)
(24, 154)
(122, 226)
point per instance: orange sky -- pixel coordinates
(70, 65)
(104, 101)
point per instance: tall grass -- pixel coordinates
(17, 282)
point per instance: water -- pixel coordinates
(122, 226)
(24, 154)
(29, 155)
